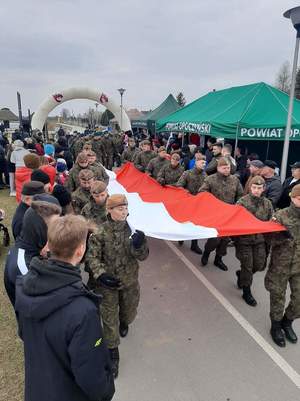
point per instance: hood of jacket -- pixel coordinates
(47, 287)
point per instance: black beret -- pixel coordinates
(271, 164)
(33, 188)
(39, 175)
(62, 194)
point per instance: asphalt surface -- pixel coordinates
(191, 341)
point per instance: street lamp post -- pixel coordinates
(96, 114)
(294, 15)
(121, 91)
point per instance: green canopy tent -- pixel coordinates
(168, 106)
(251, 112)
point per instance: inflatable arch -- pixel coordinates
(40, 116)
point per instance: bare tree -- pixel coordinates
(283, 79)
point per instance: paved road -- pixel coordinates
(192, 343)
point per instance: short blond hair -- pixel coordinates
(65, 234)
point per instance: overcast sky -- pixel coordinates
(151, 48)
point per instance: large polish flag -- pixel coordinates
(172, 213)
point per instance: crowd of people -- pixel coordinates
(66, 219)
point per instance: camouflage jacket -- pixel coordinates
(79, 199)
(213, 164)
(155, 165)
(192, 180)
(99, 171)
(227, 189)
(143, 158)
(111, 251)
(285, 254)
(96, 213)
(97, 147)
(262, 209)
(129, 154)
(108, 145)
(169, 175)
(72, 182)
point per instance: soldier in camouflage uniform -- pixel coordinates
(97, 147)
(87, 147)
(251, 249)
(118, 140)
(113, 255)
(81, 163)
(212, 166)
(192, 180)
(228, 189)
(95, 210)
(82, 195)
(77, 146)
(109, 151)
(97, 168)
(156, 164)
(143, 158)
(130, 152)
(284, 269)
(170, 173)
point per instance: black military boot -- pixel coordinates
(219, 263)
(277, 333)
(123, 329)
(286, 325)
(238, 281)
(115, 357)
(248, 297)
(204, 259)
(195, 247)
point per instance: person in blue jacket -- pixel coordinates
(66, 358)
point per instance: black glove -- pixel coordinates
(137, 239)
(108, 281)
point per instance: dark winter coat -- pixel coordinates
(17, 221)
(285, 199)
(273, 189)
(65, 355)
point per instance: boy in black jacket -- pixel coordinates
(65, 355)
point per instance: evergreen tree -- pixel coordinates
(181, 99)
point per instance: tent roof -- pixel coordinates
(236, 111)
(7, 115)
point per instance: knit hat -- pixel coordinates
(223, 162)
(49, 149)
(41, 176)
(98, 187)
(31, 161)
(61, 165)
(116, 200)
(82, 158)
(18, 144)
(257, 180)
(256, 163)
(86, 174)
(295, 191)
(62, 194)
(31, 188)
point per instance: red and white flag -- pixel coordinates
(173, 214)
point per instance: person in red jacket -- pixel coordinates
(23, 174)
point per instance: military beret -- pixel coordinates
(175, 156)
(161, 149)
(223, 162)
(116, 200)
(257, 180)
(33, 188)
(82, 158)
(86, 174)
(98, 187)
(146, 142)
(271, 164)
(296, 165)
(295, 191)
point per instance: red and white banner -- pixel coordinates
(173, 214)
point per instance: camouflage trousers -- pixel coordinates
(118, 306)
(218, 244)
(253, 259)
(276, 282)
